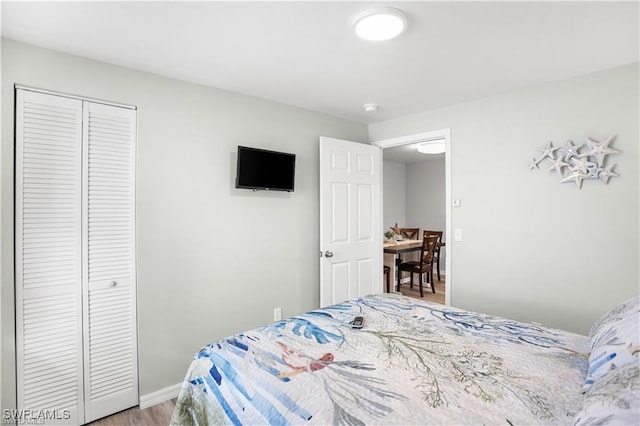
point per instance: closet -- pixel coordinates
(76, 342)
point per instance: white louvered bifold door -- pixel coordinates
(48, 255)
(111, 377)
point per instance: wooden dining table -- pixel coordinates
(403, 246)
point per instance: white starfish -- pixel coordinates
(548, 152)
(557, 165)
(600, 149)
(576, 176)
(581, 165)
(533, 164)
(606, 173)
(593, 171)
(570, 150)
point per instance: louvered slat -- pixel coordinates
(48, 253)
(110, 339)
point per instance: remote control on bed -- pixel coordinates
(357, 322)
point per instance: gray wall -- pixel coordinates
(212, 260)
(535, 249)
(394, 179)
(426, 195)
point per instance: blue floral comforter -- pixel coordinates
(414, 362)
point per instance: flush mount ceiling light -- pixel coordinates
(370, 107)
(380, 24)
(436, 146)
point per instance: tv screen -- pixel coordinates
(263, 169)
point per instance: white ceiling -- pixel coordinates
(409, 154)
(306, 54)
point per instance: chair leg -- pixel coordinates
(421, 290)
(438, 267)
(411, 281)
(433, 284)
(399, 277)
(388, 274)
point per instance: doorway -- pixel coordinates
(410, 143)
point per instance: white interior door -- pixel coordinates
(48, 255)
(109, 280)
(350, 220)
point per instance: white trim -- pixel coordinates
(449, 219)
(420, 137)
(381, 209)
(162, 395)
(66, 95)
(423, 137)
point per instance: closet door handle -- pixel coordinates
(114, 283)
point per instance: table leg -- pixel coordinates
(398, 262)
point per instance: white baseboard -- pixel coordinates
(162, 395)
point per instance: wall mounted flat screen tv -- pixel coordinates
(260, 169)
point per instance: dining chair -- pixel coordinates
(410, 233)
(437, 258)
(422, 266)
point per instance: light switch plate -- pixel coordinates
(458, 235)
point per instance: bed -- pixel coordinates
(415, 362)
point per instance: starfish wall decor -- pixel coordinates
(590, 164)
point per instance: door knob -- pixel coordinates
(114, 283)
(328, 254)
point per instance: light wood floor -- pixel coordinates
(438, 297)
(157, 415)
(160, 414)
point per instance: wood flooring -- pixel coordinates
(156, 415)
(438, 297)
(160, 414)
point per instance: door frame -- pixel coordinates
(425, 137)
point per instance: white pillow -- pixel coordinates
(615, 340)
(613, 399)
